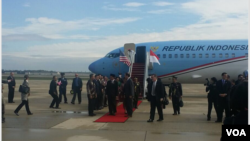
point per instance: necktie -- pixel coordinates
(223, 81)
(154, 89)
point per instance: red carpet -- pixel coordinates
(119, 116)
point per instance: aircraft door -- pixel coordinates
(140, 56)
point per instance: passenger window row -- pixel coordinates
(226, 55)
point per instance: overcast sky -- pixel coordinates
(67, 35)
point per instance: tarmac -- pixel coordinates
(72, 123)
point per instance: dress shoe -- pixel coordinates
(105, 105)
(179, 113)
(51, 107)
(150, 120)
(160, 120)
(174, 114)
(209, 118)
(30, 114)
(79, 102)
(66, 102)
(72, 103)
(16, 114)
(11, 102)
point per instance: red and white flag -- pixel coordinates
(153, 57)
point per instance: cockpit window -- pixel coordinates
(112, 55)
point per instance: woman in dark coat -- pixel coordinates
(53, 92)
(24, 98)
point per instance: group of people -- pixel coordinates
(226, 95)
(62, 82)
(156, 95)
(230, 96)
(101, 91)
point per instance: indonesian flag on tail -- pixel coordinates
(153, 57)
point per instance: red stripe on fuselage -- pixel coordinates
(203, 66)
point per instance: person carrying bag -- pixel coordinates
(25, 93)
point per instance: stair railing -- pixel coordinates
(145, 74)
(131, 55)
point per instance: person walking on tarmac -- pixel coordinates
(77, 88)
(62, 88)
(54, 94)
(155, 96)
(24, 97)
(175, 93)
(212, 97)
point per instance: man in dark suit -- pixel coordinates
(175, 93)
(112, 94)
(155, 96)
(240, 79)
(91, 92)
(223, 86)
(62, 88)
(77, 88)
(12, 85)
(128, 93)
(53, 92)
(98, 92)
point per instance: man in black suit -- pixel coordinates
(240, 79)
(128, 93)
(155, 96)
(62, 88)
(112, 94)
(91, 92)
(53, 92)
(77, 88)
(223, 86)
(98, 92)
(12, 85)
(175, 93)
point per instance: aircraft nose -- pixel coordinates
(92, 67)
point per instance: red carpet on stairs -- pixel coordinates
(119, 116)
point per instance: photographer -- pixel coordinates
(212, 97)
